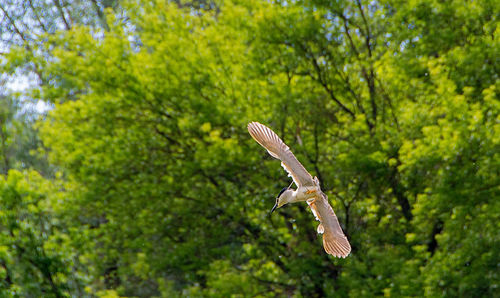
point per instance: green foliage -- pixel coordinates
(34, 260)
(160, 191)
(18, 137)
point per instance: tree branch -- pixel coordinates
(16, 29)
(100, 14)
(327, 88)
(61, 12)
(37, 16)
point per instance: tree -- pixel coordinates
(32, 260)
(166, 193)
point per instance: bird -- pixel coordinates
(308, 189)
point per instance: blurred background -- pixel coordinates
(127, 169)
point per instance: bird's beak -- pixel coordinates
(274, 208)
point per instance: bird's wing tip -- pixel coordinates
(251, 123)
(341, 256)
(337, 246)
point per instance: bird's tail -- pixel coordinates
(336, 245)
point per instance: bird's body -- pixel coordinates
(308, 189)
(301, 194)
(305, 193)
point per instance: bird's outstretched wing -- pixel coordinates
(334, 240)
(278, 149)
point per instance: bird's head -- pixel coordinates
(283, 198)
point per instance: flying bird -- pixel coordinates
(308, 189)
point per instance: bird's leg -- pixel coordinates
(310, 191)
(290, 184)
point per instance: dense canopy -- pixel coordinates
(140, 178)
